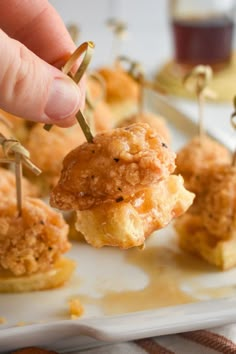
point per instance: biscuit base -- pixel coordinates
(55, 277)
(195, 239)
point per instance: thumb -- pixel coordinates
(33, 89)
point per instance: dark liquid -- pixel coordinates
(203, 40)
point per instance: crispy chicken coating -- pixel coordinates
(116, 165)
(195, 157)
(47, 150)
(8, 185)
(156, 122)
(128, 223)
(34, 241)
(219, 212)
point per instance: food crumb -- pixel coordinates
(75, 308)
(2, 320)
(21, 324)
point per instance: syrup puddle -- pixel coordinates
(168, 272)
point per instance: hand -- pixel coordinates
(33, 44)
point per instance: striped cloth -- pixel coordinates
(214, 341)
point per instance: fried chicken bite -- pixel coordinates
(31, 247)
(122, 92)
(121, 187)
(156, 122)
(219, 212)
(116, 165)
(211, 232)
(34, 241)
(48, 149)
(8, 186)
(127, 223)
(195, 239)
(195, 157)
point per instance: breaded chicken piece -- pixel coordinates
(122, 92)
(157, 123)
(8, 185)
(116, 165)
(47, 150)
(195, 157)
(194, 238)
(219, 212)
(33, 242)
(128, 223)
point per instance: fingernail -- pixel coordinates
(63, 100)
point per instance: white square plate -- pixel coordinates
(123, 292)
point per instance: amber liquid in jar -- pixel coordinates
(205, 40)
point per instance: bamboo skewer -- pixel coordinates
(197, 81)
(119, 31)
(15, 153)
(87, 48)
(136, 71)
(74, 32)
(92, 103)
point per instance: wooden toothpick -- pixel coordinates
(74, 31)
(119, 31)
(18, 174)
(136, 71)
(197, 81)
(91, 103)
(15, 153)
(86, 48)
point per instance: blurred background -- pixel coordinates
(169, 37)
(148, 38)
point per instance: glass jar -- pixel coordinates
(202, 31)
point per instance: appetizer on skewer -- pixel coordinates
(211, 232)
(31, 247)
(196, 156)
(32, 235)
(121, 183)
(208, 229)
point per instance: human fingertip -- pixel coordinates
(64, 100)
